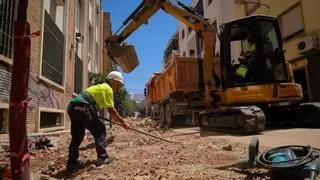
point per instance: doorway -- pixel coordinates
(300, 77)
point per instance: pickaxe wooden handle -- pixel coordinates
(139, 131)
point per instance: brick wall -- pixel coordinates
(42, 93)
(107, 63)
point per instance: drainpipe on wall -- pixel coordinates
(19, 95)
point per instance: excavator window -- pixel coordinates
(274, 65)
(243, 50)
(255, 52)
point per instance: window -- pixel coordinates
(53, 51)
(78, 19)
(191, 53)
(291, 22)
(4, 120)
(97, 23)
(172, 46)
(90, 40)
(244, 61)
(6, 31)
(55, 10)
(78, 75)
(199, 7)
(251, 6)
(189, 30)
(182, 34)
(245, 68)
(91, 12)
(97, 66)
(271, 42)
(50, 119)
(97, 16)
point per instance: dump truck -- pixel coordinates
(252, 82)
(177, 87)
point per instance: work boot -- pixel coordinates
(107, 160)
(74, 168)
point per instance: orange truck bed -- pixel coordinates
(180, 75)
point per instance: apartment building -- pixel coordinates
(70, 46)
(300, 30)
(217, 11)
(172, 47)
(187, 37)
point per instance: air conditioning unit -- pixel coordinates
(308, 44)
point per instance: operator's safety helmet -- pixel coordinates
(116, 75)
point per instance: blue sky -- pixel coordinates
(150, 40)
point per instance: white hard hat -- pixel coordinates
(115, 75)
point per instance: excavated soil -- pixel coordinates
(190, 156)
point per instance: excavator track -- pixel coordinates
(295, 115)
(242, 119)
(309, 113)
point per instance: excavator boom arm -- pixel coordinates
(184, 14)
(137, 18)
(148, 8)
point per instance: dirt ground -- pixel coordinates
(190, 156)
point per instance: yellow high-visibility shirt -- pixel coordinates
(242, 71)
(102, 94)
(251, 47)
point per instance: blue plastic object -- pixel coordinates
(282, 155)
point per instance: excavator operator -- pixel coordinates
(250, 52)
(248, 57)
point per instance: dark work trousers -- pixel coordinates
(84, 116)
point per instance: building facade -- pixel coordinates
(300, 30)
(187, 37)
(107, 63)
(217, 11)
(172, 47)
(69, 47)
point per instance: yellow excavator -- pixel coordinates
(253, 83)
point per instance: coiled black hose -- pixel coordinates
(310, 154)
(263, 161)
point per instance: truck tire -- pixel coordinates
(169, 116)
(162, 116)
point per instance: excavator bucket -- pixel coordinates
(125, 56)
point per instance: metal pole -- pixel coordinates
(137, 130)
(19, 95)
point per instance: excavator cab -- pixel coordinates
(251, 52)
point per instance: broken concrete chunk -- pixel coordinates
(227, 147)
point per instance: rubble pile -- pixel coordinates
(139, 123)
(190, 156)
(40, 143)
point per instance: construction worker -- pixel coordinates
(249, 56)
(82, 111)
(251, 50)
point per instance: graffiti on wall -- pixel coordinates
(41, 94)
